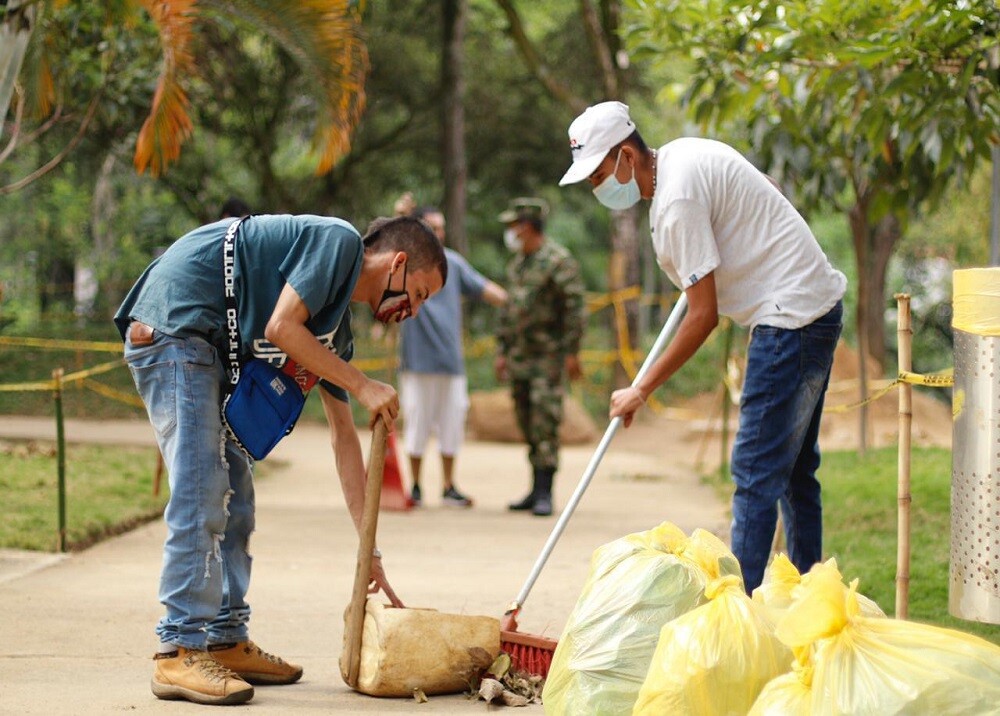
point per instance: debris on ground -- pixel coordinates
(509, 686)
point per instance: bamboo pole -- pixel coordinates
(158, 473)
(903, 498)
(57, 376)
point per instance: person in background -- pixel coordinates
(434, 391)
(725, 235)
(539, 340)
(295, 278)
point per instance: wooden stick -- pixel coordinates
(903, 498)
(350, 665)
(158, 473)
(57, 381)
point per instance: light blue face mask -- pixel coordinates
(615, 195)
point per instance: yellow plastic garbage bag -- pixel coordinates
(715, 659)
(789, 694)
(636, 584)
(781, 587)
(853, 664)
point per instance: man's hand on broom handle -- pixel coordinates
(380, 581)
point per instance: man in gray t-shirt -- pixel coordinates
(433, 389)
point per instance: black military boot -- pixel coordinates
(528, 503)
(543, 492)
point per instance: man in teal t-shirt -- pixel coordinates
(295, 279)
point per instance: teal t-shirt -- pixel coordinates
(181, 292)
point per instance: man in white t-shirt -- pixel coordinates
(725, 235)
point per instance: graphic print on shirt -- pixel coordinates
(264, 350)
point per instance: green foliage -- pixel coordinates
(862, 491)
(108, 489)
(859, 530)
(29, 365)
(874, 108)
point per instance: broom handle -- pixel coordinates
(669, 328)
(355, 618)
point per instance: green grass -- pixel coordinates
(108, 490)
(859, 524)
(29, 364)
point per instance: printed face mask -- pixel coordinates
(615, 195)
(394, 305)
(511, 240)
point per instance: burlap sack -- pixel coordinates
(407, 649)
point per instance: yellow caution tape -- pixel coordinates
(57, 344)
(114, 394)
(870, 399)
(370, 364)
(976, 301)
(27, 387)
(96, 370)
(68, 378)
(595, 302)
(941, 379)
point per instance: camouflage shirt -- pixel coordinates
(543, 321)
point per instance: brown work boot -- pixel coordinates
(196, 676)
(255, 665)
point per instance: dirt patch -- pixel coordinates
(841, 426)
(696, 423)
(491, 418)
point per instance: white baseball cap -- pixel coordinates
(592, 135)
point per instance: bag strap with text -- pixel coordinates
(232, 315)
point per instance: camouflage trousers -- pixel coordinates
(538, 405)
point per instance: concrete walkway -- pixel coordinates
(76, 631)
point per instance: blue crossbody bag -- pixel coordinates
(262, 403)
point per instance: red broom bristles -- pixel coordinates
(528, 652)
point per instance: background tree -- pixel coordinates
(454, 166)
(611, 78)
(325, 41)
(874, 108)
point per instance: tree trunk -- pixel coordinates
(16, 23)
(455, 168)
(860, 229)
(103, 208)
(623, 272)
(885, 236)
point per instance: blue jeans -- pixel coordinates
(776, 453)
(210, 515)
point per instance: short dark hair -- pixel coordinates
(235, 207)
(406, 233)
(635, 139)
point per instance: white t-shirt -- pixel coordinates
(714, 211)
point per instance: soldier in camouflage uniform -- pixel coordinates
(539, 340)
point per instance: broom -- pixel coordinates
(529, 652)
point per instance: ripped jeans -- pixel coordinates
(210, 515)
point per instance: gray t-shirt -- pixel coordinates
(181, 292)
(432, 340)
